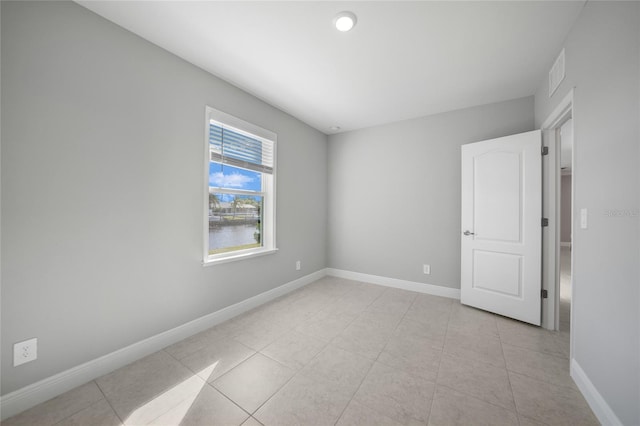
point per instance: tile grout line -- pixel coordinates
(537, 352)
(537, 378)
(81, 410)
(206, 382)
(440, 362)
(230, 400)
(481, 400)
(108, 402)
(364, 377)
(271, 396)
(551, 334)
(506, 367)
(396, 328)
(474, 396)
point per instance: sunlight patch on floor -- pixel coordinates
(172, 406)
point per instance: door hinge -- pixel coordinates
(545, 221)
(544, 294)
(545, 150)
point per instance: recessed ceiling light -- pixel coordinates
(334, 128)
(344, 21)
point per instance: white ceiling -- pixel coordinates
(402, 60)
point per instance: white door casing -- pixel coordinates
(501, 217)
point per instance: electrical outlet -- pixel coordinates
(298, 265)
(24, 352)
(426, 269)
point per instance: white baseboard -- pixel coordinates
(436, 290)
(600, 408)
(36, 393)
(564, 244)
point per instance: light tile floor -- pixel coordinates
(340, 352)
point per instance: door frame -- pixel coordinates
(551, 208)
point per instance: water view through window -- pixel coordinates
(235, 222)
(235, 219)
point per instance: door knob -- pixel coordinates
(468, 233)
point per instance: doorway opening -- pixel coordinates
(558, 201)
(565, 136)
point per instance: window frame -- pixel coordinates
(268, 192)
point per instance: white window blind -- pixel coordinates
(236, 148)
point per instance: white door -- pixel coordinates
(501, 226)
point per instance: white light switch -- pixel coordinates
(583, 218)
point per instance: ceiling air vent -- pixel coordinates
(556, 75)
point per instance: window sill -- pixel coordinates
(236, 257)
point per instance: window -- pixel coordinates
(240, 196)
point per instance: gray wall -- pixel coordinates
(602, 63)
(394, 199)
(565, 209)
(102, 190)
